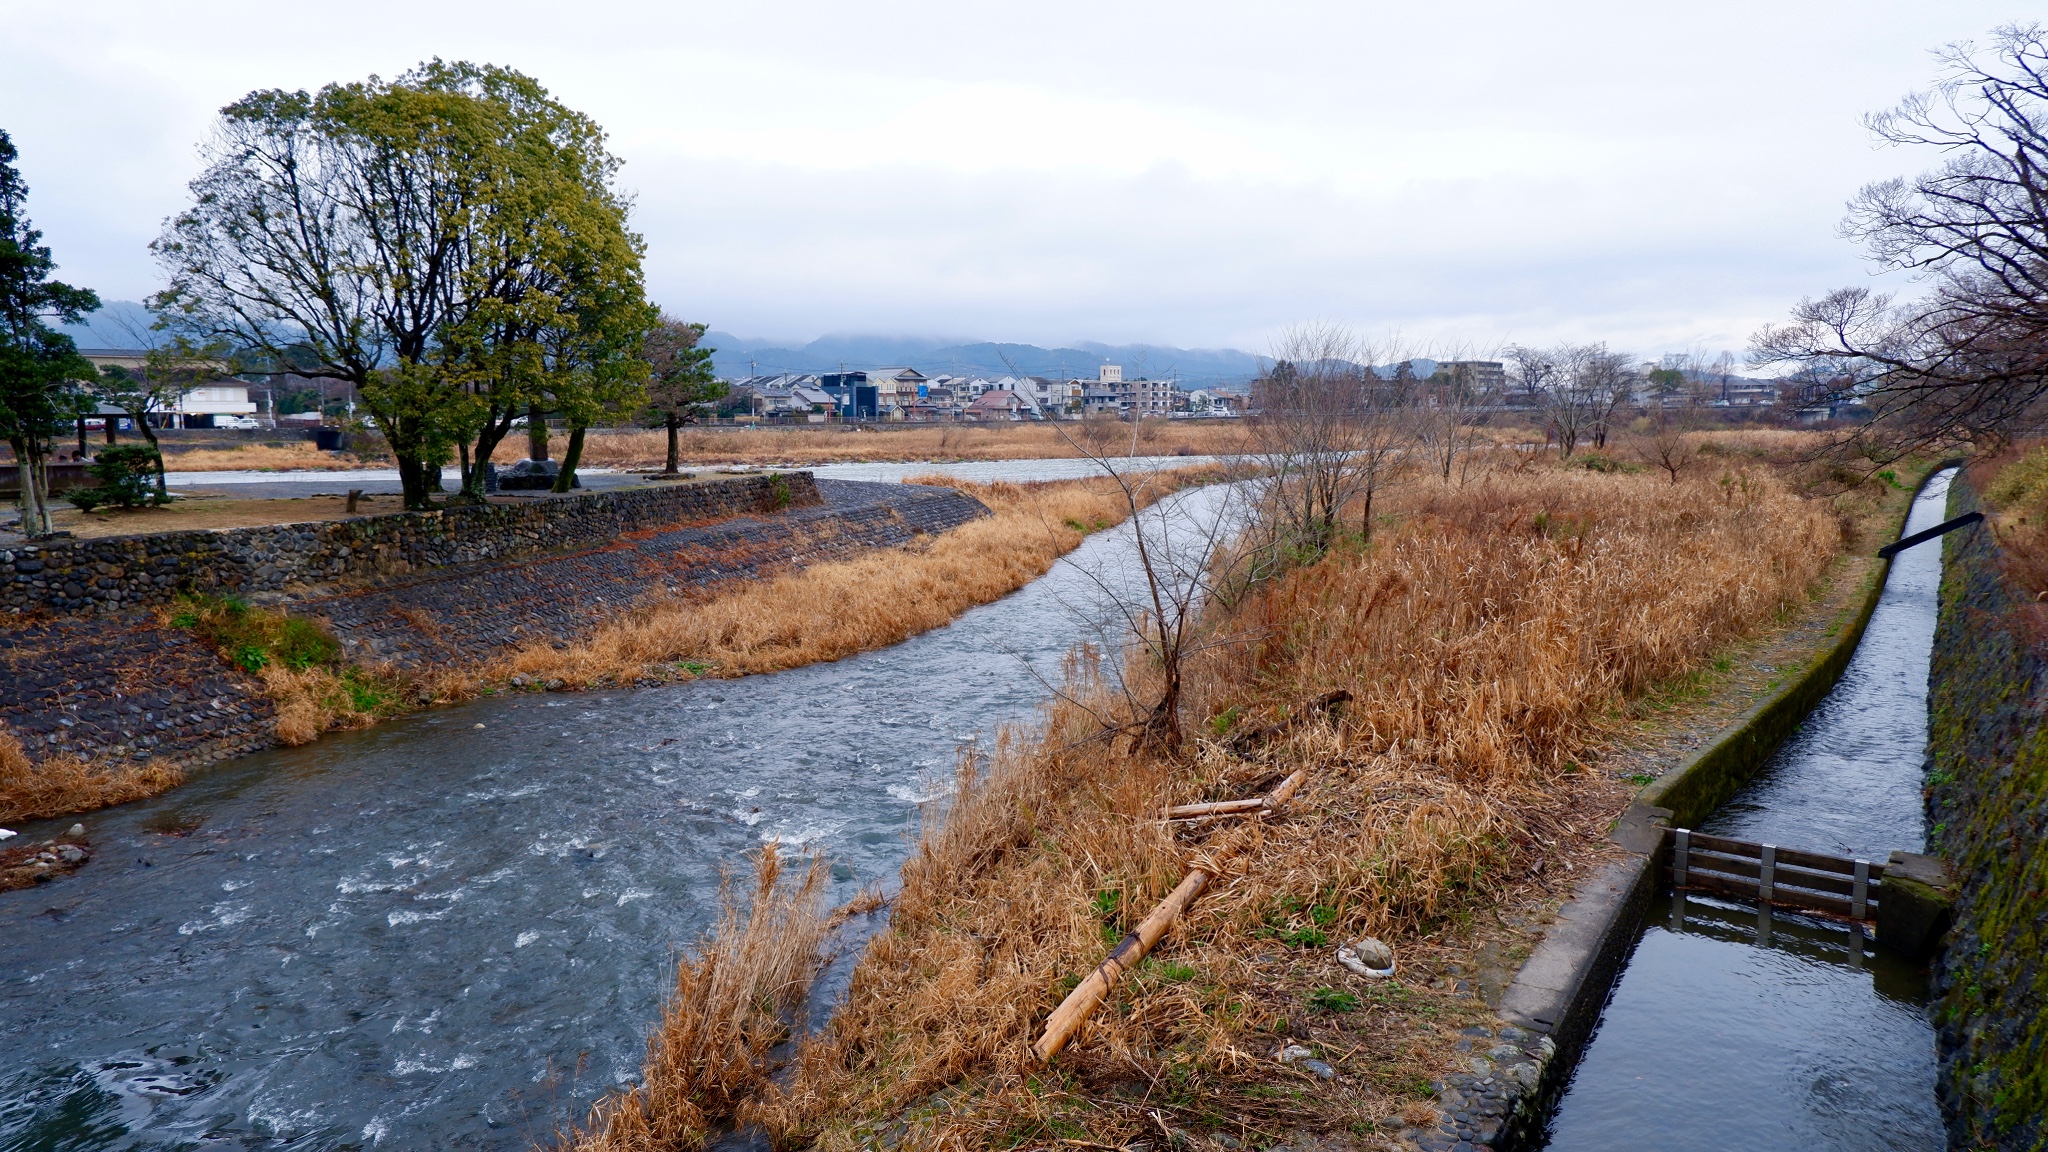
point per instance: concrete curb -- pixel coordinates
(1563, 986)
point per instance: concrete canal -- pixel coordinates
(1739, 1028)
(454, 930)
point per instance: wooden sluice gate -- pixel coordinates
(1906, 899)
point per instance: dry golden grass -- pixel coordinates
(937, 442)
(1488, 636)
(832, 610)
(63, 784)
(732, 1002)
(188, 512)
(296, 456)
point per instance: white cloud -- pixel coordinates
(1198, 174)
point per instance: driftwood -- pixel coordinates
(1246, 741)
(1133, 948)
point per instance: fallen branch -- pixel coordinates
(1133, 948)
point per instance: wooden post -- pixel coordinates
(1859, 895)
(354, 494)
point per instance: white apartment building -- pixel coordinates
(223, 397)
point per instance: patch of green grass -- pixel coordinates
(365, 694)
(251, 638)
(1331, 1001)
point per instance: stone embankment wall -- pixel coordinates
(122, 572)
(109, 683)
(1988, 816)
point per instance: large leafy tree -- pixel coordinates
(39, 367)
(419, 238)
(681, 381)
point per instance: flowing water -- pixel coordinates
(1738, 1028)
(454, 930)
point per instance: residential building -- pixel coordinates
(196, 408)
(1055, 398)
(896, 389)
(1482, 377)
(999, 404)
(1142, 398)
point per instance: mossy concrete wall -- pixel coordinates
(1987, 802)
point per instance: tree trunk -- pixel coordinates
(35, 510)
(675, 452)
(473, 464)
(163, 494)
(111, 420)
(412, 478)
(536, 433)
(81, 437)
(571, 456)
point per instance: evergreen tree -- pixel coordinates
(39, 366)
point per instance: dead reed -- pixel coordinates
(832, 610)
(292, 457)
(732, 1002)
(1488, 636)
(935, 442)
(63, 784)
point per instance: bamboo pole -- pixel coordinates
(1068, 1017)
(1133, 948)
(1266, 803)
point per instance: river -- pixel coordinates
(1734, 1028)
(455, 929)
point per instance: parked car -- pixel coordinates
(236, 422)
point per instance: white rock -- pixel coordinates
(1368, 957)
(7, 835)
(76, 830)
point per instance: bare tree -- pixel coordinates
(1155, 610)
(1448, 409)
(1608, 381)
(1331, 432)
(1583, 387)
(1969, 359)
(1662, 440)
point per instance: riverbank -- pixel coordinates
(1987, 779)
(1488, 638)
(732, 598)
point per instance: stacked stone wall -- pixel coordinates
(124, 572)
(1988, 816)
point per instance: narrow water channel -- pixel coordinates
(453, 931)
(1735, 1028)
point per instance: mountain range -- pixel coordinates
(125, 324)
(738, 356)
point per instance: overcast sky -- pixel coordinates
(1190, 173)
